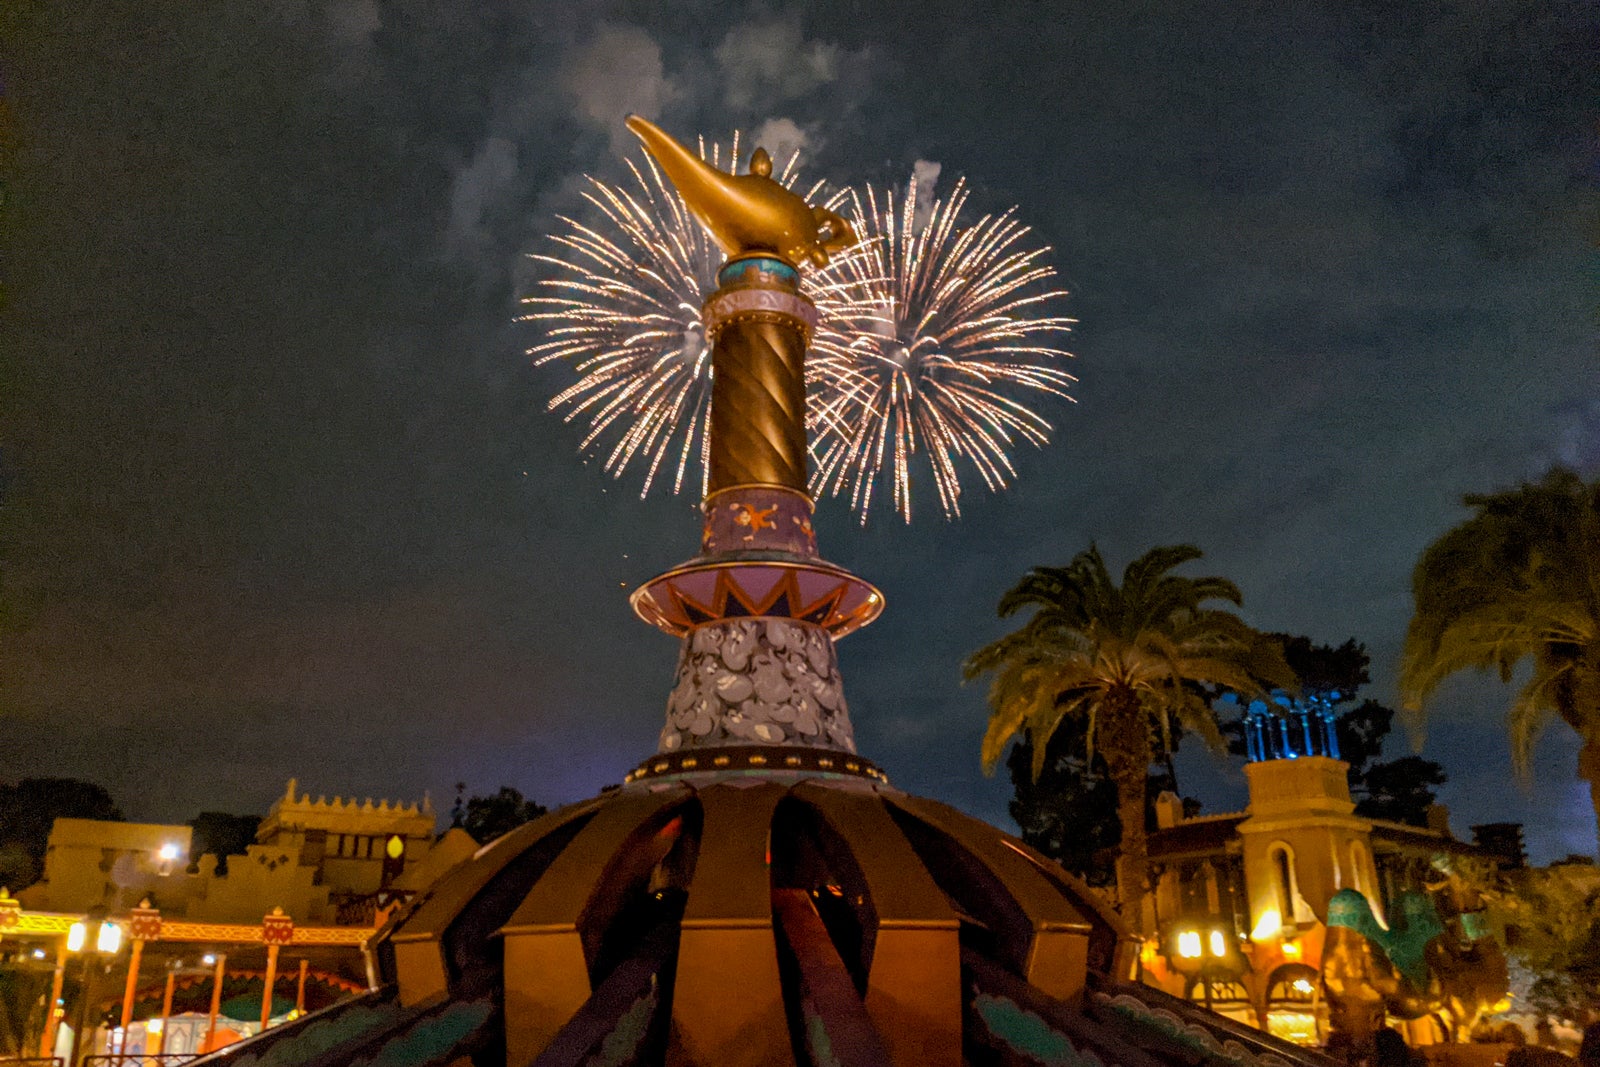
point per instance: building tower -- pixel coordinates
(1302, 842)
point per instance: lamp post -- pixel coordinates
(92, 937)
(53, 1009)
(1205, 951)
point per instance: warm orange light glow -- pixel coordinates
(1291, 950)
(1189, 944)
(1219, 944)
(1268, 926)
(77, 934)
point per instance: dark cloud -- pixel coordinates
(282, 499)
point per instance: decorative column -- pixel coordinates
(758, 610)
(216, 1000)
(277, 930)
(166, 1009)
(144, 924)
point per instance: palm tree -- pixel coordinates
(1127, 660)
(1520, 580)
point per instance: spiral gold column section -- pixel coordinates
(758, 324)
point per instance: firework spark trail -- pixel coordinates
(622, 307)
(928, 327)
(942, 322)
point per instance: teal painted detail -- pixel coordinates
(321, 1035)
(434, 1040)
(769, 265)
(1405, 944)
(1350, 910)
(622, 1043)
(1173, 1030)
(1192, 1038)
(1408, 939)
(1023, 1031)
(817, 1040)
(246, 1008)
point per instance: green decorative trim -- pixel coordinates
(1192, 1036)
(1022, 1031)
(435, 1040)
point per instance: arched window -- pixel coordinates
(1223, 996)
(1292, 985)
(1283, 879)
(1293, 996)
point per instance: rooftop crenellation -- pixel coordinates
(292, 800)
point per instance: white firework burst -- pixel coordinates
(947, 330)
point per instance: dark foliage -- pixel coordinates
(1070, 814)
(1067, 814)
(29, 808)
(23, 988)
(1361, 732)
(487, 818)
(222, 835)
(1399, 790)
(1326, 669)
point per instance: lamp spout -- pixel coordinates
(746, 212)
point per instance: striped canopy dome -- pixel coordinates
(743, 916)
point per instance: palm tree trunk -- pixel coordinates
(1125, 745)
(1133, 862)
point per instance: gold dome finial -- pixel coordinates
(746, 212)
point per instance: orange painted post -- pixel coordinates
(144, 924)
(166, 1011)
(132, 985)
(216, 1001)
(300, 988)
(277, 930)
(266, 986)
(53, 1010)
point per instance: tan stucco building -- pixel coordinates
(1241, 902)
(323, 861)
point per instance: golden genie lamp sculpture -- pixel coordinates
(756, 892)
(746, 212)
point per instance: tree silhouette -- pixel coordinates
(30, 808)
(1519, 582)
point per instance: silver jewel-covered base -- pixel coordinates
(759, 681)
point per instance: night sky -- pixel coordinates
(281, 497)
